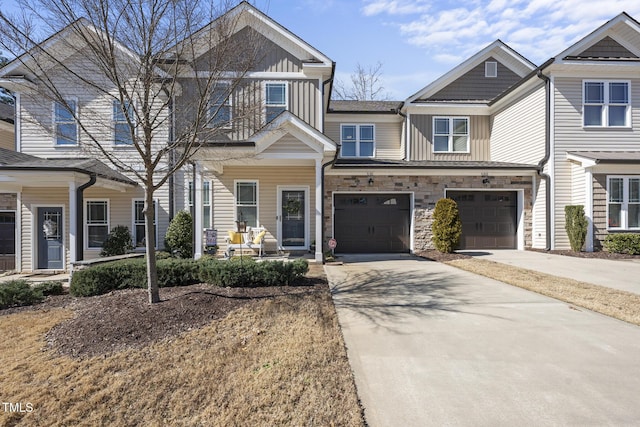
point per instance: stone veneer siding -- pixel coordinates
(8, 202)
(427, 191)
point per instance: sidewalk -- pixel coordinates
(36, 277)
(617, 274)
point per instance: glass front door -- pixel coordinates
(293, 218)
(50, 238)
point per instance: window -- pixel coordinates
(121, 128)
(66, 128)
(491, 69)
(97, 222)
(138, 223)
(623, 203)
(451, 134)
(247, 202)
(206, 202)
(606, 104)
(220, 106)
(275, 100)
(357, 140)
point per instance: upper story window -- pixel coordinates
(623, 202)
(121, 128)
(450, 134)
(357, 140)
(606, 104)
(66, 127)
(275, 100)
(491, 69)
(220, 106)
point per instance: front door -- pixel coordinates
(292, 208)
(50, 238)
(7, 241)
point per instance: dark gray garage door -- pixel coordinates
(488, 218)
(372, 223)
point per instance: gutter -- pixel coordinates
(80, 215)
(545, 159)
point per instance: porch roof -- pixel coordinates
(429, 164)
(592, 158)
(14, 161)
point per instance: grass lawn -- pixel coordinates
(274, 361)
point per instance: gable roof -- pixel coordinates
(497, 50)
(248, 15)
(378, 107)
(619, 38)
(287, 122)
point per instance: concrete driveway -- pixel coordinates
(433, 345)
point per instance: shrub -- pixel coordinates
(575, 222)
(248, 273)
(623, 243)
(15, 293)
(49, 288)
(118, 242)
(132, 273)
(446, 227)
(179, 237)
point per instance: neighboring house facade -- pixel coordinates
(512, 143)
(7, 200)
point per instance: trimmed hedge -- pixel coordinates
(575, 223)
(125, 274)
(16, 293)
(446, 226)
(623, 243)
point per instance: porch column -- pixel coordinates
(73, 222)
(319, 219)
(197, 220)
(588, 208)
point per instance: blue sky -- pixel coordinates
(419, 40)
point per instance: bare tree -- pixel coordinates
(145, 57)
(366, 85)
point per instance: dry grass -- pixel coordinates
(273, 362)
(611, 302)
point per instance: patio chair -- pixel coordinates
(252, 239)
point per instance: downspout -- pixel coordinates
(322, 210)
(406, 131)
(193, 210)
(545, 159)
(80, 216)
(171, 159)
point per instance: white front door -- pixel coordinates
(293, 218)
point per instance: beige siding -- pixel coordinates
(288, 144)
(569, 135)
(599, 210)
(539, 213)
(388, 135)
(269, 178)
(7, 138)
(421, 135)
(518, 131)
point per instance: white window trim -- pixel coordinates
(55, 123)
(605, 110)
(450, 141)
(357, 141)
(235, 199)
(227, 102)
(264, 100)
(624, 208)
(491, 69)
(87, 225)
(113, 126)
(133, 223)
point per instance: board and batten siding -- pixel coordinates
(268, 178)
(388, 135)
(421, 136)
(569, 135)
(518, 131)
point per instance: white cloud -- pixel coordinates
(395, 7)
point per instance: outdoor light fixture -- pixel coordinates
(486, 181)
(370, 180)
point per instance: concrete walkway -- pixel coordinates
(617, 274)
(433, 345)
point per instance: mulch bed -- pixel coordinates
(124, 319)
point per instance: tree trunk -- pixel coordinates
(150, 239)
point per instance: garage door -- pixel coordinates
(7, 241)
(372, 223)
(488, 218)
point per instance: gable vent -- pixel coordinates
(491, 69)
